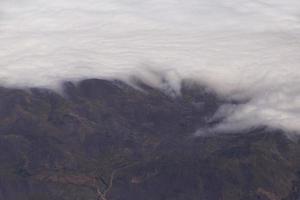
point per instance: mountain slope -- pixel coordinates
(105, 140)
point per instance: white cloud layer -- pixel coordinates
(240, 47)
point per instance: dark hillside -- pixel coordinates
(105, 140)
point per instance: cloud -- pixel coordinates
(241, 48)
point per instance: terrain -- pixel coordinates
(106, 140)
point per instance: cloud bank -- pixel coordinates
(241, 48)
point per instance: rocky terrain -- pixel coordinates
(105, 140)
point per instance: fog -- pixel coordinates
(241, 48)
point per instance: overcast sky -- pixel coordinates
(246, 48)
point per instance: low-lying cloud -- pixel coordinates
(241, 48)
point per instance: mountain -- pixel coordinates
(107, 140)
